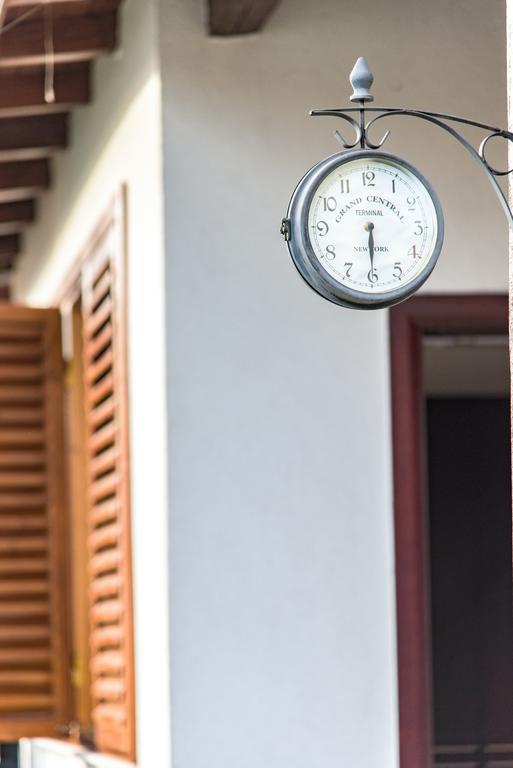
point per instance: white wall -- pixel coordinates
(118, 140)
(283, 626)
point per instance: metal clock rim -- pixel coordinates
(302, 252)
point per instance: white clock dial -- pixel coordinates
(372, 225)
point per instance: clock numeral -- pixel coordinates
(329, 203)
(398, 271)
(372, 276)
(349, 265)
(344, 186)
(322, 228)
(393, 185)
(413, 252)
(419, 230)
(368, 178)
(410, 201)
(330, 252)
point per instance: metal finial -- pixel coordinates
(361, 78)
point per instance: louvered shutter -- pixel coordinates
(33, 639)
(108, 497)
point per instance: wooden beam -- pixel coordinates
(9, 247)
(16, 8)
(73, 40)
(239, 17)
(22, 212)
(14, 216)
(22, 180)
(32, 136)
(22, 90)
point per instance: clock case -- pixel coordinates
(295, 227)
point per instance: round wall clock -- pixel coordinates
(364, 229)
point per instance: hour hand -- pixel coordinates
(369, 226)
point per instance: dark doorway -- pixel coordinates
(470, 574)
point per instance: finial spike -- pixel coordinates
(361, 79)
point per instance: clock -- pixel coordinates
(364, 229)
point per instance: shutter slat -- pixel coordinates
(20, 501)
(101, 289)
(109, 714)
(99, 343)
(13, 545)
(24, 679)
(20, 395)
(16, 351)
(107, 536)
(105, 511)
(102, 439)
(105, 561)
(101, 414)
(33, 652)
(23, 608)
(97, 319)
(21, 459)
(20, 523)
(22, 587)
(110, 663)
(106, 612)
(108, 498)
(102, 366)
(23, 565)
(109, 689)
(21, 373)
(21, 437)
(100, 391)
(22, 480)
(23, 633)
(106, 585)
(21, 416)
(106, 637)
(107, 486)
(19, 702)
(104, 462)
(26, 657)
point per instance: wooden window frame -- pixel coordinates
(409, 322)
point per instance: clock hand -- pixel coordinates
(369, 226)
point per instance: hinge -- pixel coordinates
(76, 732)
(285, 229)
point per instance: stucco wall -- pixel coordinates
(283, 639)
(118, 140)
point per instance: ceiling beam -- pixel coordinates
(24, 179)
(16, 215)
(16, 8)
(73, 40)
(22, 90)
(9, 249)
(32, 136)
(239, 17)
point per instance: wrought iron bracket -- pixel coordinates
(361, 80)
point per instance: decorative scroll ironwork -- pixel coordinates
(357, 117)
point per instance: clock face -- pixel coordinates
(369, 226)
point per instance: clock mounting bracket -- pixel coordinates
(362, 119)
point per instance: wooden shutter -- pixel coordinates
(108, 495)
(33, 638)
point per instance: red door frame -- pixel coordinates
(408, 323)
